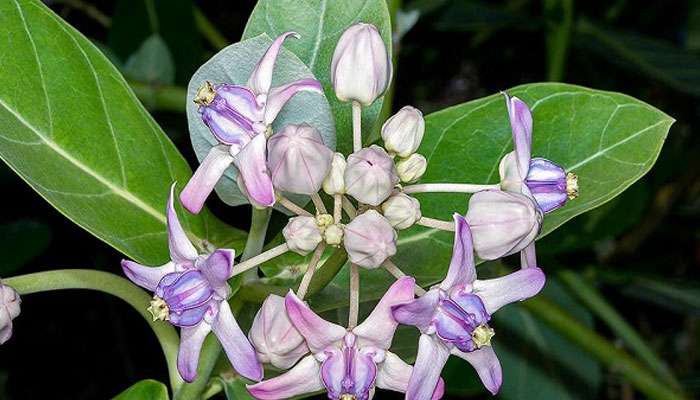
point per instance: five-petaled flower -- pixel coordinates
(240, 118)
(348, 363)
(191, 292)
(454, 316)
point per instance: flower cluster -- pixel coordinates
(371, 195)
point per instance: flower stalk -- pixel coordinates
(318, 203)
(260, 258)
(310, 270)
(448, 188)
(291, 206)
(436, 224)
(396, 272)
(354, 309)
(356, 126)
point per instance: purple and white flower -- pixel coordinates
(545, 181)
(454, 316)
(190, 291)
(9, 310)
(348, 364)
(240, 118)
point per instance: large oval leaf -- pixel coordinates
(147, 389)
(71, 127)
(320, 24)
(235, 64)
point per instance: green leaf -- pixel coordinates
(73, 130)
(666, 62)
(22, 241)
(147, 389)
(234, 64)
(320, 24)
(151, 63)
(234, 389)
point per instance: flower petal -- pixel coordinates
(217, 269)
(462, 270)
(236, 345)
(280, 95)
(181, 249)
(380, 325)
(487, 366)
(251, 162)
(431, 358)
(521, 125)
(305, 377)
(394, 374)
(241, 100)
(517, 286)
(318, 332)
(191, 340)
(418, 312)
(205, 178)
(228, 126)
(144, 276)
(261, 78)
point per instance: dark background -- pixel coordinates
(85, 345)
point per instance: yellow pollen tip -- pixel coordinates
(347, 397)
(159, 309)
(205, 95)
(571, 185)
(482, 336)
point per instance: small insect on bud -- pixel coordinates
(369, 240)
(401, 210)
(298, 160)
(334, 182)
(403, 132)
(412, 168)
(302, 234)
(9, 310)
(370, 175)
(361, 68)
(274, 337)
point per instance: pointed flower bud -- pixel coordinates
(302, 234)
(412, 168)
(369, 240)
(403, 132)
(298, 160)
(334, 182)
(9, 310)
(502, 223)
(401, 210)
(361, 68)
(274, 337)
(370, 175)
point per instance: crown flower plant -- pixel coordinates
(349, 248)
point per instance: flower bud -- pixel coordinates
(412, 168)
(298, 160)
(334, 182)
(502, 223)
(274, 337)
(370, 175)
(9, 310)
(302, 234)
(361, 68)
(369, 240)
(401, 210)
(403, 132)
(334, 235)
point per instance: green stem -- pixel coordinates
(107, 283)
(559, 14)
(160, 97)
(614, 358)
(208, 30)
(590, 296)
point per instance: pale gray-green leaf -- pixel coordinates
(71, 127)
(234, 64)
(320, 24)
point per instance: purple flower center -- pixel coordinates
(349, 372)
(550, 185)
(184, 296)
(462, 320)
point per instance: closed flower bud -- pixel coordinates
(370, 175)
(361, 68)
(298, 160)
(302, 234)
(274, 337)
(403, 132)
(412, 168)
(369, 240)
(334, 235)
(9, 310)
(502, 223)
(401, 210)
(334, 182)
